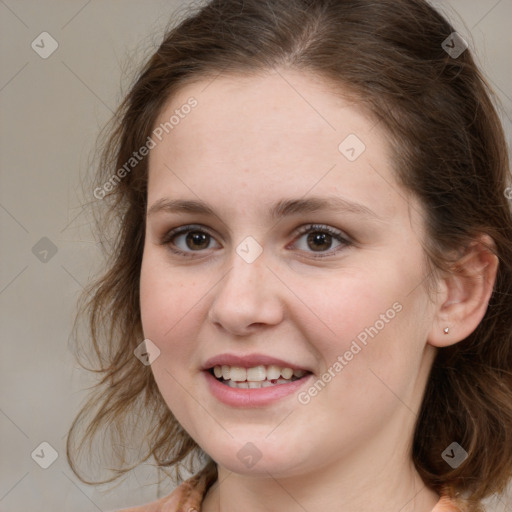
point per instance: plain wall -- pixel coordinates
(52, 110)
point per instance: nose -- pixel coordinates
(247, 298)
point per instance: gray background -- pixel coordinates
(52, 110)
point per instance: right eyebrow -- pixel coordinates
(180, 206)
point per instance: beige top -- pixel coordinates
(189, 496)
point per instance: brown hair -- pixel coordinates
(449, 150)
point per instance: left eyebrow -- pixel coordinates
(336, 204)
(283, 208)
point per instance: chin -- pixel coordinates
(257, 458)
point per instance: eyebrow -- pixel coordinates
(283, 208)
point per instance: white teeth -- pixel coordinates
(257, 376)
(273, 372)
(255, 385)
(238, 374)
(225, 372)
(286, 373)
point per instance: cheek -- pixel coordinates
(371, 354)
(169, 304)
(369, 319)
(165, 296)
(169, 319)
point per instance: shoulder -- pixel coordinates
(187, 496)
(445, 504)
(167, 504)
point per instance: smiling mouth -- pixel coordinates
(256, 377)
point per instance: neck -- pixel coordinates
(388, 487)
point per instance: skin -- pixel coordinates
(250, 143)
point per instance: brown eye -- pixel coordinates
(319, 241)
(186, 240)
(323, 240)
(197, 240)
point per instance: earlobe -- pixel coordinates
(466, 293)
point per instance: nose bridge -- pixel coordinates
(247, 264)
(247, 294)
(246, 279)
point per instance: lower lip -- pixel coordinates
(258, 397)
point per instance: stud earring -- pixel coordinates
(446, 330)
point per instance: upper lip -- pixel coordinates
(249, 361)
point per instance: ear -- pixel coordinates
(464, 293)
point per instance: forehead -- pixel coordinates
(266, 133)
(274, 106)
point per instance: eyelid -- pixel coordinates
(180, 230)
(169, 235)
(344, 239)
(306, 228)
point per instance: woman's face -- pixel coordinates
(282, 254)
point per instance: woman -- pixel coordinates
(315, 245)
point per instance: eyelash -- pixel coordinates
(310, 228)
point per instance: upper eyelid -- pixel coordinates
(187, 227)
(305, 228)
(299, 230)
